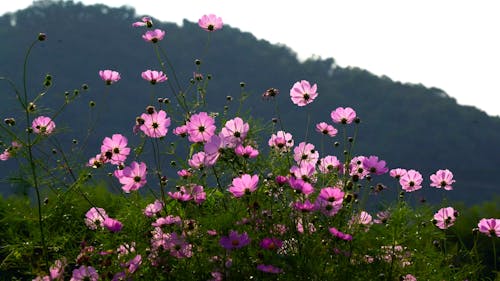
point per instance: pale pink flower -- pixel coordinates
(43, 125)
(145, 21)
(305, 171)
(282, 141)
(109, 76)
(57, 270)
(326, 129)
(154, 76)
(210, 22)
(97, 161)
(397, 173)
(357, 168)
(168, 220)
(245, 184)
(200, 160)
(408, 277)
(153, 208)
(84, 273)
(246, 152)
(305, 153)
(445, 217)
(156, 124)
(363, 218)
(489, 227)
(442, 179)
(330, 164)
(181, 131)
(132, 177)
(411, 181)
(329, 201)
(95, 217)
(115, 149)
(302, 93)
(234, 131)
(10, 151)
(200, 127)
(343, 115)
(153, 35)
(184, 173)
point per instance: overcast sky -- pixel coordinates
(449, 44)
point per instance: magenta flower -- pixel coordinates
(182, 195)
(282, 141)
(411, 181)
(374, 166)
(326, 129)
(200, 127)
(330, 164)
(302, 93)
(213, 149)
(234, 240)
(132, 177)
(156, 124)
(43, 125)
(270, 243)
(244, 185)
(246, 152)
(305, 206)
(115, 149)
(112, 225)
(178, 246)
(268, 268)
(84, 273)
(95, 217)
(442, 179)
(489, 227)
(153, 35)
(234, 132)
(210, 22)
(154, 76)
(397, 173)
(329, 201)
(445, 217)
(300, 186)
(305, 153)
(109, 76)
(153, 208)
(145, 21)
(335, 232)
(343, 115)
(133, 264)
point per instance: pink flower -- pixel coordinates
(112, 225)
(84, 273)
(153, 208)
(115, 149)
(301, 186)
(210, 22)
(181, 131)
(43, 125)
(408, 277)
(445, 217)
(154, 76)
(246, 152)
(156, 124)
(305, 171)
(305, 153)
(270, 243)
(200, 160)
(133, 264)
(145, 21)
(329, 201)
(330, 164)
(153, 35)
(357, 168)
(442, 179)
(95, 217)
(168, 220)
(178, 246)
(132, 177)
(397, 173)
(244, 185)
(489, 227)
(268, 268)
(335, 232)
(213, 148)
(326, 129)
(200, 127)
(374, 166)
(302, 93)
(10, 151)
(184, 173)
(343, 115)
(363, 218)
(411, 181)
(282, 141)
(234, 132)
(305, 206)
(234, 240)
(109, 76)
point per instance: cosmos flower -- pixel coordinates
(109, 76)
(210, 22)
(442, 179)
(43, 125)
(302, 93)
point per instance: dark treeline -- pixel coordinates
(408, 125)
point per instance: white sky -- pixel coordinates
(449, 44)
